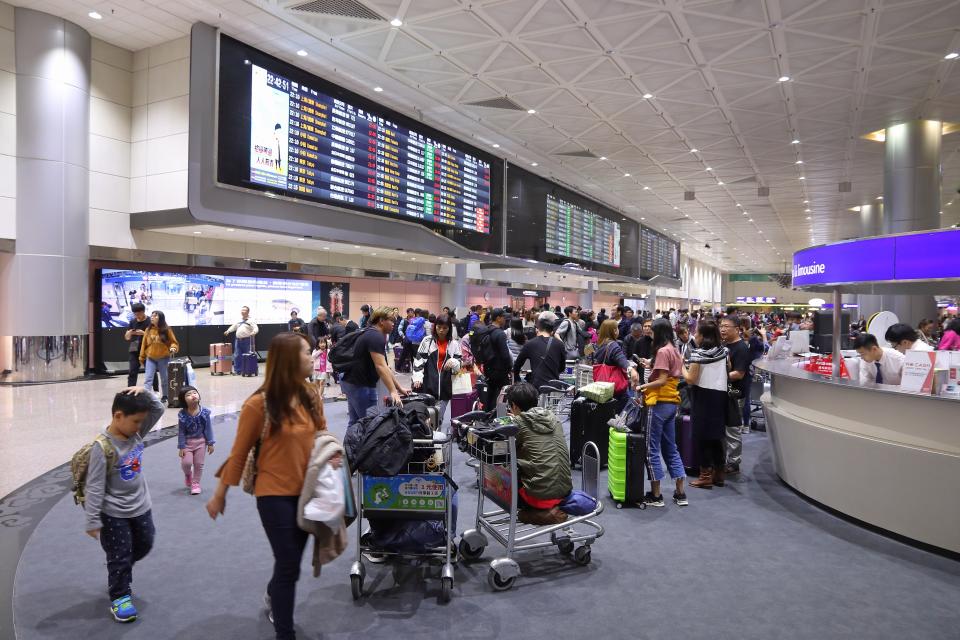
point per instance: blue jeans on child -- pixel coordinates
(158, 366)
(663, 438)
(359, 399)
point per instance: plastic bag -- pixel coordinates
(328, 502)
(191, 375)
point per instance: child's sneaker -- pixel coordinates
(188, 481)
(195, 489)
(680, 499)
(123, 609)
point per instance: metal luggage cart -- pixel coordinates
(499, 482)
(423, 492)
(557, 395)
(583, 374)
(758, 386)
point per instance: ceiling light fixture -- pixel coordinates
(808, 217)
(603, 157)
(378, 89)
(496, 146)
(783, 79)
(531, 111)
(97, 16)
(694, 150)
(950, 56)
(626, 175)
(806, 202)
(794, 141)
(196, 233)
(533, 164)
(647, 96)
(268, 241)
(798, 162)
(802, 178)
(301, 52)
(709, 169)
(806, 210)
(231, 229)
(301, 239)
(881, 198)
(646, 188)
(720, 183)
(396, 22)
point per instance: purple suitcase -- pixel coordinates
(401, 367)
(461, 404)
(687, 444)
(248, 365)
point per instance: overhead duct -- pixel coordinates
(342, 8)
(496, 103)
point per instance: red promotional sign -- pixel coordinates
(824, 366)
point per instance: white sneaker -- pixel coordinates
(745, 430)
(268, 607)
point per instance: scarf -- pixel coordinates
(706, 356)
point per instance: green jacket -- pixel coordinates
(542, 455)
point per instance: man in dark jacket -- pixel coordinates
(497, 368)
(623, 326)
(318, 327)
(543, 459)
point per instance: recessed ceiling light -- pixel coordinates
(646, 188)
(709, 169)
(603, 157)
(301, 52)
(881, 198)
(626, 175)
(802, 178)
(378, 89)
(301, 239)
(268, 240)
(794, 141)
(806, 210)
(396, 22)
(231, 229)
(676, 208)
(647, 96)
(750, 220)
(694, 150)
(496, 146)
(806, 202)
(798, 162)
(373, 254)
(196, 233)
(783, 79)
(414, 259)
(720, 183)
(531, 111)
(97, 16)
(760, 231)
(356, 246)
(326, 248)
(950, 56)
(533, 164)
(808, 217)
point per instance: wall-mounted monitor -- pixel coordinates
(284, 131)
(549, 223)
(659, 255)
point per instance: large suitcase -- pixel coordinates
(221, 358)
(247, 364)
(588, 422)
(687, 444)
(462, 404)
(177, 374)
(400, 365)
(627, 462)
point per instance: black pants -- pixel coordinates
(496, 381)
(712, 453)
(278, 514)
(409, 352)
(133, 363)
(125, 541)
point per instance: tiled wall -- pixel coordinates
(8, 126)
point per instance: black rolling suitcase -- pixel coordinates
(588, 422)
(177, 373)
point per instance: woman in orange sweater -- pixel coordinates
(158, 346)
(289, 411)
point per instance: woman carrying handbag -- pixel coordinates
(275, 438)
(611, 364)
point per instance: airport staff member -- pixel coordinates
(880, 365)
(903, 338)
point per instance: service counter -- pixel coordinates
(885, 457)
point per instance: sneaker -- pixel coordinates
(653, 501)
(164, 400)
(195, 489)
(123, 610)
(268, 606)
(680, 499)
(745, 430)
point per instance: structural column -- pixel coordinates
(871, 224)
(46, 280)
(460, 287)
(911, 197)
(588, 296)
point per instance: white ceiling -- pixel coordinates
(712, 67)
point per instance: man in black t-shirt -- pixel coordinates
(545, 353)
(497, 369)
(738, 366)
(134, 335)
(359, 383)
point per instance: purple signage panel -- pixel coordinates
(928, 256)
(866, 260)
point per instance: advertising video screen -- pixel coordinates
(205, 299)
(659, 255)
(286, 131)
(548, 223)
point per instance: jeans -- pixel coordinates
(359, 399)
(160, 366)
(125, 541)
(734, 442)
(663, 426)
(278, 514)
(442, 406)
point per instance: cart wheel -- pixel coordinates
(446, 588)
(619, 505)
(565, 546)
(356, 586)
(582, 555)
(642, 505)
(497, 583)
(468, 552)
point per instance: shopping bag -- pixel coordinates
(328, 502)
(462, 383)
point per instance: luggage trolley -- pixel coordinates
(557, 395)
(758, 386)
(499, 482)
(424, 491)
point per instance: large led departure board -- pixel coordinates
(582, 235)
(659, 255)
(318, 146)
(284, 131)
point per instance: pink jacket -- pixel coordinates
(949, 342)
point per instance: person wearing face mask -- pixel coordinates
(438, 359)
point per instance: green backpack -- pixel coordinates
(81, 461)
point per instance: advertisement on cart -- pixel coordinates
(496, 485)
(405, 492)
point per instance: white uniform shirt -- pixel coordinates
(891, 367)
(920, 345)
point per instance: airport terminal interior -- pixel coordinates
(625, 319)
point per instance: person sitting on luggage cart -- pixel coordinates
(543, 460)
(245, 330)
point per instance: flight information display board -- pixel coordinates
(659, 255)
(581, 235)
(318, 146)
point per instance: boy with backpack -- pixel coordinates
(109, 484)
(413, 334)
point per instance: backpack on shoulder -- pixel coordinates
(80, 462)
(416, 330)
(481, 345)
(343, 356)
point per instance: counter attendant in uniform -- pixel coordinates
(903, 338)
(880, 365)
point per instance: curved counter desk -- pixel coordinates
(887, 458)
